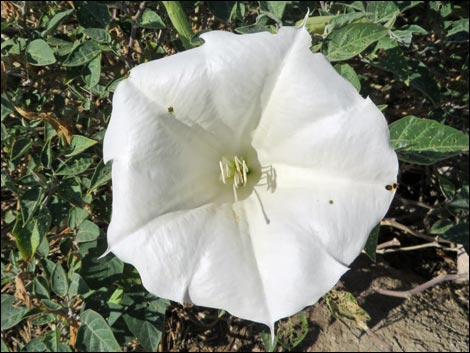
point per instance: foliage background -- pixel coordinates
(61, 61)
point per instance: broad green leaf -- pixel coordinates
(405, 35)
(101, 176)
(4, 347)
(461, 198)
(29, 202)
(412, 73)
(27, 239)
(40, 53)
(424, 141)
(352, 39)
(51, 304)
(179, 21)
(98, 34)
(275, 7)
(20, 148)
(75, 167)
(52, 340)
(83, 54)
(7, 106)
(95, 335)
(316, 24)
(371, 245)
(78, 285)
(458, 234)
(221, 9)
(145, 318)
(79, 143)
(88, 231)
(92, 72)
(55, 21)
(11, 315)
(349, 74)
(59, 283)
(99, 272)
(254, 28)
(41, 287)
(447, 186)
(150, 19)
(76, 216)
(35, 345)
(70, 190)
(341, 20)
(441, 226)
(383, 12)
(92, 14)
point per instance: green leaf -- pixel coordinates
(461, 199)
(383, 12)
(75, 167)
(41, 288)
(20, 148)
(316, 24)
(27, 239)
(76, 216)
(150, 19)
(35, 345)
(441, 226)
(29, 202)
(79, 143)
(95, 335)
(91, 14)
(424, 141)
(349, 74)
(101, 176)
(458, 234)
(447, 186)
(99, 272)
(92, 73)
(179, 21)
(40, 53)
(55, 21)
(254, 28)
(341, 20)
(275, 7)
(59, 281)
(11, 315)
(352, 39)
(88, 232)
(405, 35)
(222, 9)
(4, 347)
(99, 35)
(78, 285)
(371, 245)
(145, 318)
(83, 54)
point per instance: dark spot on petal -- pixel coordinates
(331, 202)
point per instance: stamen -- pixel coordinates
(222, 172)
(236, 169)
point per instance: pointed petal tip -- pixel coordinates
(304, 22)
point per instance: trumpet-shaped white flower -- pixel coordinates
(247, 174)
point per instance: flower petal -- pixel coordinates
(159, 164)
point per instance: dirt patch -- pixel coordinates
(436, 320)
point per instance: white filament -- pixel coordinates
(238, 169)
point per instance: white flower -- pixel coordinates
(247, 174)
